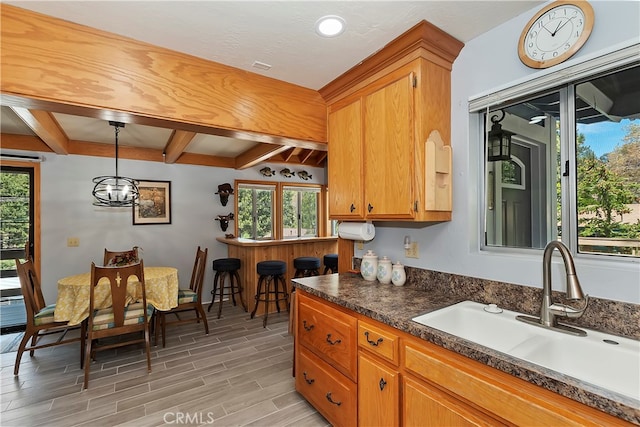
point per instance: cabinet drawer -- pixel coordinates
(330, 392)
(382, 342)
(330, 334)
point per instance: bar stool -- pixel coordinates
(226, 267)
(271, 272)
(330, 263)
(306, 266)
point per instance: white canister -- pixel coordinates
(369, 266)
(398, 275)
(384, 270)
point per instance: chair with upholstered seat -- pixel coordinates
(120, 258)
(40, 320)
(122, 318)
(306, 266)
(188, 300)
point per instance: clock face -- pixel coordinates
(555, 33)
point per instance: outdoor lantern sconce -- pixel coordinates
(224, 190)
(224, 221)
(498, 140)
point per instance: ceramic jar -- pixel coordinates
(398, 275)
(369, 266)
(384, 270)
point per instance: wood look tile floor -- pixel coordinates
(238, 375)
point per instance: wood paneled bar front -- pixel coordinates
(251, 252)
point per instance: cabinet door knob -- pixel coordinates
(373, 343)
(382, 384)
(338, 341)
(352, 208)
(332, 401)
(369, 207)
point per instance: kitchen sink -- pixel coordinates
(607, 361)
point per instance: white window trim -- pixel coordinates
(479, 104)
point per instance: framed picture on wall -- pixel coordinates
(154, 204)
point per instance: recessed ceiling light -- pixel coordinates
(330, 26)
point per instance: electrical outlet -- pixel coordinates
(73, 242)
(412, 252)
(359, 245)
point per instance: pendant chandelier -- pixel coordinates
(115, 191)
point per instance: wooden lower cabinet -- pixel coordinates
(330, 392)
(403, 380)
(378, 393)
(424, 405)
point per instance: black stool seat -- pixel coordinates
(306, 266)
(269, 268)
(330, 263)
(226, 267)
(272, 277)
(226, 264)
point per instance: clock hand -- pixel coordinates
(560, 26)
(557, 28)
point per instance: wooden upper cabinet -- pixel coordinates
(345, 162)
(388, 149)
(389, 130)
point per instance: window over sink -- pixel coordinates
(574, 167)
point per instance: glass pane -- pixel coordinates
(309, 214)
(522, 191)
(264, 214)
(289, 213)
(608, 161)
(245, 213)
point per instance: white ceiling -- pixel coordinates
(278, 33)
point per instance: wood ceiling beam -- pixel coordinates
(320, 158)
(43, 124)
(286, 156)
(304, 156)
(257, 154)
(178, 142)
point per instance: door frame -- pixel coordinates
(35, 166)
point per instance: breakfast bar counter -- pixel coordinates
(395, 306)
(251, 252)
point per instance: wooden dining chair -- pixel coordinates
(40, 322)
(188, 300)
(121, 318)
(120, 258)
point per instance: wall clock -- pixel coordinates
(555, 33)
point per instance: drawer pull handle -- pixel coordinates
(338, 341)
(309, 381)
(331, 400)
(369, 208)
(352, 208)
(382, 384)
(308, 328)
(373, 343)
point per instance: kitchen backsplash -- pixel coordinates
(615, 317)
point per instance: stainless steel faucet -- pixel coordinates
(549, 312)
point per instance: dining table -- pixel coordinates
(72, 304)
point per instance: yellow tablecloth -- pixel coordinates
(72, 305)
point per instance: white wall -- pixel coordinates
(485, 64)
(67, 211)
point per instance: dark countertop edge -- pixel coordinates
(612, 403)
(274, 242)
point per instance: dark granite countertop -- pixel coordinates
(397, 305)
